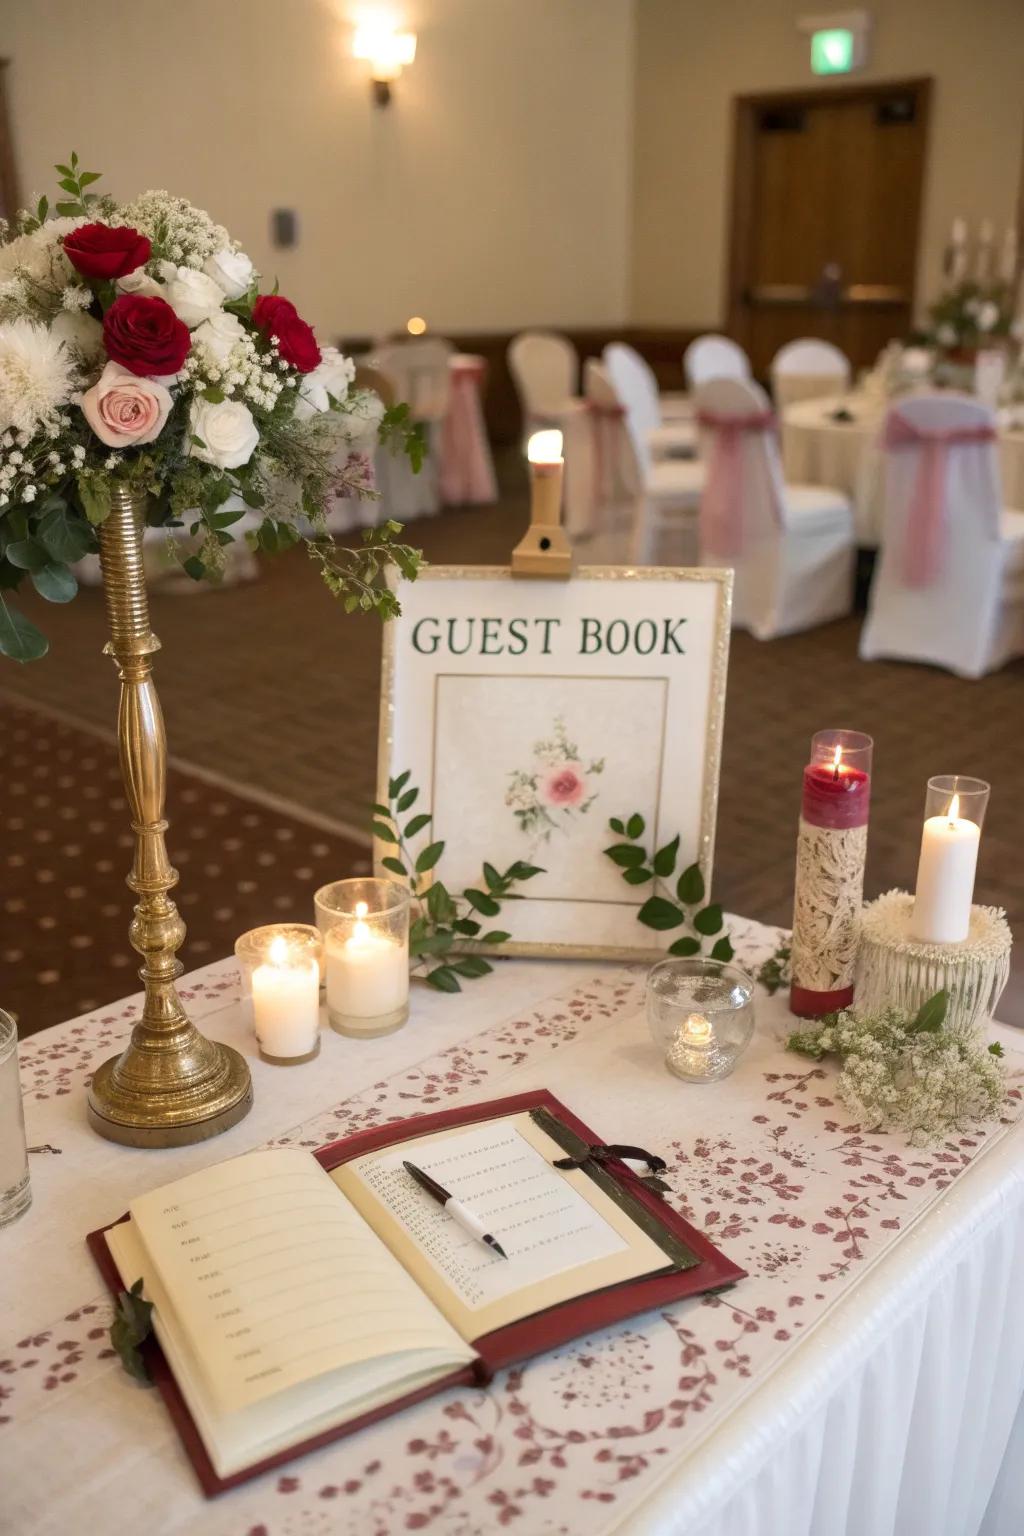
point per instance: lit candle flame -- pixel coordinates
(697, 1030)
(361, 930)
(361, 909)
(278, 952)
(545, 447)
(837, 758)
(954, 809)
(416, 325)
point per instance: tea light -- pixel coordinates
(366, 955)
(701, 1013)
(281, 963)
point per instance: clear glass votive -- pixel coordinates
(15, 1190)
(281, 977)
(366, 954)
(954, 811)
(701, 1016)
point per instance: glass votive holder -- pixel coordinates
(366, 954)
(954, 810)
(281, 977)
(15, 1190)
(701, 1016)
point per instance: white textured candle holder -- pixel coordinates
(895, 970)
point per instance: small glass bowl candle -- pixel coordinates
(366, 954)
(281, 977)
(701, 1016)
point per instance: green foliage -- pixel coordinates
(443, 922)
(73, 181)
(664, 911)
(132, 1324)
(775, 972)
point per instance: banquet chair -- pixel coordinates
(545, 369)
(949, 584)
(419, 375)
(674, 439)
(791, 546)
(806, 370)
(669, 490)
(714, 357)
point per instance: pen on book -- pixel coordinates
(465, 1218)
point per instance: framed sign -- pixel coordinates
(531, 712)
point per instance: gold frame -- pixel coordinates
(721, 577)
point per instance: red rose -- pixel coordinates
(97, 250)
(145, 335)
(295, 340)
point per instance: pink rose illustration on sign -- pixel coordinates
(558, 788)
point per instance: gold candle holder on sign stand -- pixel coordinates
(170, 1086)
(544, 549)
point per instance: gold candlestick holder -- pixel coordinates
(170, 1086)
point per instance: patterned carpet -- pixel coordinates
(268, 687)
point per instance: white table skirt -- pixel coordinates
(890, 1414)
(847, 457)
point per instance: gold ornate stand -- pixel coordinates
(170, 1086)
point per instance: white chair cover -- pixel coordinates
(545, 369)
(969, 615)
(807, 369)
(417, 371)
(714, 357)
(794, 556)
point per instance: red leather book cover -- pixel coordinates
(518, 1341)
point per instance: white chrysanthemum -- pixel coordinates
(36, 375)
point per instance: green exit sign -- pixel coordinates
(833, 51)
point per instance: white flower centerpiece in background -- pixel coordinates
(970, 315)
(136, 350)
(558, 788)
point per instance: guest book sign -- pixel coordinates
(530, 712)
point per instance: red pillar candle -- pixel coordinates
(830, 851)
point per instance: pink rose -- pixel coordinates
(564, 785)
(125, 410)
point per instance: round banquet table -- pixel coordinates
(847, 456)
(866, 1377)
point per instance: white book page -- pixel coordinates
(276, 1280)
(563, 1235)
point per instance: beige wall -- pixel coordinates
(693, 56)
(494, 192)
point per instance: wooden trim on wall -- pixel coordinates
(9, 197)
(741, 201)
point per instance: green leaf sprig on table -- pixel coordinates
(674, 902)
(132, 1324)
(777, 970)
(442, 921)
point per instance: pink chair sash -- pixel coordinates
(721, 506)
(925, 543)
(467, 469)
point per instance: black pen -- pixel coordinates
(466, 1220)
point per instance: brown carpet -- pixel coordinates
(67, 847)
(269, 686)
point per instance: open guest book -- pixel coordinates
(297, 1297)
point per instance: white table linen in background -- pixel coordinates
(848, 456)
(862, 1381)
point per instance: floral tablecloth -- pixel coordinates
(766, 1162)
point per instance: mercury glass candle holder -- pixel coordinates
(366, 954)
(701, 1016)
(280, 965)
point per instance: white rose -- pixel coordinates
(218, 336)
(330, 378)
(193, 296)
(227, 431)
(988, 316)
(140, 282)
(81, 333)
(232, 271)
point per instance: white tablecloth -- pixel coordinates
(863, 1380)
(846, 456)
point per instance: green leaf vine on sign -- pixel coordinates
(675, 902)
(442, 922)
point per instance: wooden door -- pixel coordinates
(826, 208)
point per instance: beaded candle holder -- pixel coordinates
(895, 970)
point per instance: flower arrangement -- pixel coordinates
(548, 796)
(907, 1073)
(137, 351)
(970, 315)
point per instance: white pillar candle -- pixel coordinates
(367, 974)
(945, 878)
(286, 1002)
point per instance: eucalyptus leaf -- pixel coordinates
(29, 554)
(65, 537)
(18, 638)
(55, 582)
(690, 886)
(660, 914)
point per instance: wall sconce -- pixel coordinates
(387, 51)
